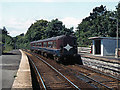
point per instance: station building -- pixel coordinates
(104, 46)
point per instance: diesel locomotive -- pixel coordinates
(62, 48)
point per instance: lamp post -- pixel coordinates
(116, 35)
(117, 38)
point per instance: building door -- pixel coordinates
(97, 46)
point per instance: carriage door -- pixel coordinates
(97, 46)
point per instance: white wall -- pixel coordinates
(102, 48)
(93, 47)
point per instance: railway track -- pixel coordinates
(85, 74)
(95, 77)
(48, 76)
(94, 70)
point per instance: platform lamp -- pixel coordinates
(117, 37)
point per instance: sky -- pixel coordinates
(18, 15)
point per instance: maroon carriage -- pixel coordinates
(63, 48)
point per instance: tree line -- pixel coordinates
(100, 23)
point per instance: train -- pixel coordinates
(62, 48)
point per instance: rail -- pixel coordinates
(59, 73)
(101, 73)
(95, 81)
(52, 69)
(38, 74)
(91, 79)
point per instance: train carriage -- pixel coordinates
(62, 48)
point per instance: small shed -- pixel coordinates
(104, 45)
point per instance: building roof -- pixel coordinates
(93, 38)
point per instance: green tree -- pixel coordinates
(37, 30)
(118, 16)
(56, 28)
(4, 31)
(97, 24)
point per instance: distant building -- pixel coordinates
(104, 45)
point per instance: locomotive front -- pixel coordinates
(68, 47)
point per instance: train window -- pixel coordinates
(50, 44)
(40, 44)
(36, 44)
(44, 44)
(54, 44)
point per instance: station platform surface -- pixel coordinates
(9, 63)
(23, 77)
(106, 58)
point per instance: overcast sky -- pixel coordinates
(18, 15)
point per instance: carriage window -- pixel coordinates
(45, 44)
(50, 44)
(54, 44)
(40, 44)
(36, 44)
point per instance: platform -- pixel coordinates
(107, 64)
(23, 78)
(98, 57)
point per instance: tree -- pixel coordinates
(97, 24)
(4, 31)
(118, 16)
(37, 30)
(56, 28)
